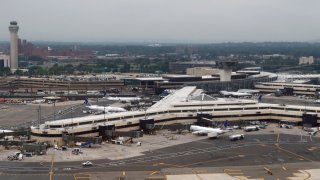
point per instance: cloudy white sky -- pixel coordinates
(189, 21)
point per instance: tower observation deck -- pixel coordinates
(226, 66)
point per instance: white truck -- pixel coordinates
(236, 137)
(313, 131)
(251, 128)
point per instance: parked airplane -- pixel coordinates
(5, 131)
(38, 101)
(317, 101)
(235, 94)
(105, 109)
(124, 99)
(210, 132)
(4, 107)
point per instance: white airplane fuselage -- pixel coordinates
(199, 130)
(250, 91)
(5, 131)
(235, 94)
(106, 109)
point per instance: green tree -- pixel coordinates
(5, 71)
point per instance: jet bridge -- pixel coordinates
(205, 119)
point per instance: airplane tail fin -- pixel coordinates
(86, 101)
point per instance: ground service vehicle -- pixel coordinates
(251, 128)
(76, 151)
(236, 137)
(16, 156)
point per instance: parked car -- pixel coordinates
(87, 163)
(289, 126)
(262, 126)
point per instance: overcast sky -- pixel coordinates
(188, 21)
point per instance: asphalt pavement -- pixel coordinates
(255, 150)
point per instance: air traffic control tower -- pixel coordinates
(226, 66)
(13, 28)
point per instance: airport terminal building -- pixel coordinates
(182, 106)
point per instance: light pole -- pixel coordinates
(202, 95)
(104, 113)
(54, 110)
(39, 115)
(72, 117)
(305, 104)
(145, 109)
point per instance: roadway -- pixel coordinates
(255, 150)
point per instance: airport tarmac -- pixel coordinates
(164, 138)
(22, 115)
(283, 154)
(11, 117)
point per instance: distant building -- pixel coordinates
(306, 60)
(185, 49)
(202, 71)
(272, 56)
(4, 60)
(135, 68)
(181, 67)
(28, 49)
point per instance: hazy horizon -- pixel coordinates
(162, 21)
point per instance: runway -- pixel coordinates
(254, 150)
